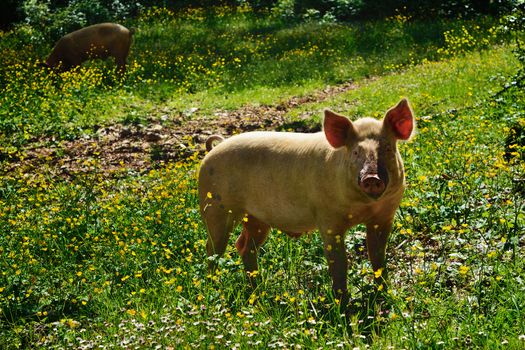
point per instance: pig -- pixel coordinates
(96, 41)
(349, 173)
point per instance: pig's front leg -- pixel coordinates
(377, 233)
(335, 253)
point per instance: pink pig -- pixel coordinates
(351, 173)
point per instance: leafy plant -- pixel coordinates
(52, 20)
(328, 10)
(514, 24)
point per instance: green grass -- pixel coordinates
(432, 87)
(224, 58)
(91, 261)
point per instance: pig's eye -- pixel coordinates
(354, 153)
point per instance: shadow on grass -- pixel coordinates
(23, 312)
(365, 315)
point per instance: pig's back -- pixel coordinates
(102, 34)
(265, 149)
(100, 29)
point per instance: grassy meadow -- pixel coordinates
(91, 260)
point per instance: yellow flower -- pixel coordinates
(447, 228)
(463, 270)
(378, 272)
(72, 323)
(131, 312)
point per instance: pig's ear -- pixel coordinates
(400, 120)
(337, 129)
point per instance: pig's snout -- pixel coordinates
(372, 185)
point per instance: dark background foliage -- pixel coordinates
(10, 13)
(92, 11)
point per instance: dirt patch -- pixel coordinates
(127, 149)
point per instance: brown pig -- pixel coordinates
(97, 41)
(350, 173)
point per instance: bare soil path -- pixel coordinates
(130, 149)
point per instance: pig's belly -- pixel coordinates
(293, 220)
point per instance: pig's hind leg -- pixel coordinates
(219, 224)
(120, 59)
(253, 235)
